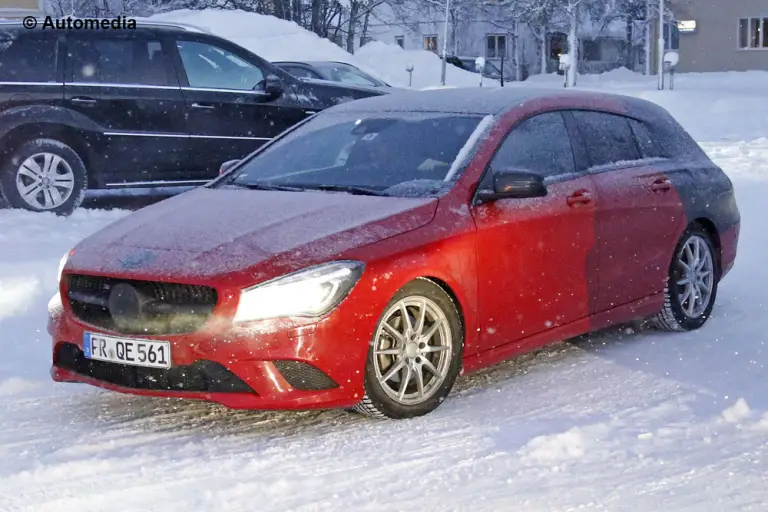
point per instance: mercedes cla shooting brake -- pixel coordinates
(367, 256)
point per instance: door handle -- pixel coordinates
(661, 185)
(83, 100)
(203, 105)
(579, 197)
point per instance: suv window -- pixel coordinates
(211, 67)
(539, 144)
(117, 61)
(27, 57)
(608, 137)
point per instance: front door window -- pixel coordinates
(210, 67)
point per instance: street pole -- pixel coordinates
(647, 47)
(445, 40)
(660, 60)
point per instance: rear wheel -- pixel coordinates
(44, 175)
(691, 289)
(415, 355)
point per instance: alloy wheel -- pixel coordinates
(45, 181)
(412, 350)
(696, 278)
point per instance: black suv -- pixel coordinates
(161, 104)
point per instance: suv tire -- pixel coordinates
(51, 171)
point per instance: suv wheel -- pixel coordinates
(44, 175)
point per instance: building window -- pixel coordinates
(671, 37)
(753, 33)
(590, 50)
(430, 43)
(495, 46)
(400, 41)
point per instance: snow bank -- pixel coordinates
(274, 39)
(391, 60)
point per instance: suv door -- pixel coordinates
(640, 215)
(536, 260)
(229, 114)
(122, 85)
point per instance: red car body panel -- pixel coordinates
(523, 273)
(630, 271)
(542, 265)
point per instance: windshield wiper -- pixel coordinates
(351, 189)
(264, 186)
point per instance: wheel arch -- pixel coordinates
(454, 298)
(711, 229)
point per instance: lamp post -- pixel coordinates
(660, 55)
(445, 41)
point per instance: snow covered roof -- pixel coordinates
(476, 100)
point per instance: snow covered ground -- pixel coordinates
(618, 421)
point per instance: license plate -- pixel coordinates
(132, 351)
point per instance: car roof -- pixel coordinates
(140, 22)
(480, 100)
(312, 62)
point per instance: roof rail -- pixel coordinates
(144, 22)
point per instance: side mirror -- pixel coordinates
(273, 86)
(227, 166)
(513, 184)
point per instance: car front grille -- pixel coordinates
(140, 307)
(200, 376)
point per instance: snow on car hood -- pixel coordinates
(207, 232)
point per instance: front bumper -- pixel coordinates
(289, 364)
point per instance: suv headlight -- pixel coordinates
(310, 292)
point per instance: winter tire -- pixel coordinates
(44, 175)
(415, 354)
(691, 288)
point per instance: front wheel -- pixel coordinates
(415, 354)
(691, 284)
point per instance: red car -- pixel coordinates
(369, 255)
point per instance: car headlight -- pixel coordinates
(310, 292)
(62, 263)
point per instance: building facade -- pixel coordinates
(475, 32)
(723, 35)
(17, 9)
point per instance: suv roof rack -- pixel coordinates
(140, 22)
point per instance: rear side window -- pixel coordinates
(117, 61)
(540, 144)
(608, 137)
(645, 142)
(27, 57)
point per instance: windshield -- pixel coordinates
(397, 154)
(349, 74)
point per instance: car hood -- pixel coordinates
(213, 232)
